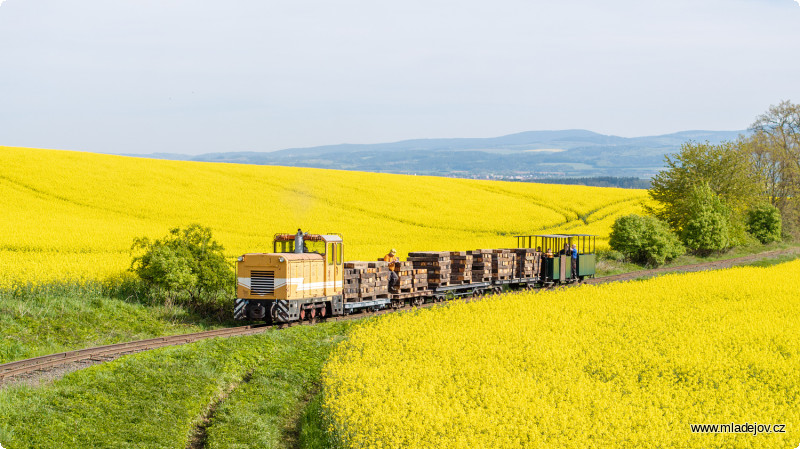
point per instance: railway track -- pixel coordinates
(12, 369)
(37, 364)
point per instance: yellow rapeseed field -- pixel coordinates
(72, 216)
(627, 365)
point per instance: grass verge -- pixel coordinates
(280, 406)
(314, 433)
(54, 318)
(610, 263)
(158, 398)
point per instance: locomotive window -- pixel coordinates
(284, 247)
(314, 247)
(331, 253)
(339, 254)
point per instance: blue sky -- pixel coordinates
(199, 76)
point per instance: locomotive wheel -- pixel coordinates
(312, 313)
(323, 311)
(302, 314)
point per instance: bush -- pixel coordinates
(644, 240)
(188, 265)
(708, 227)
(764, 223)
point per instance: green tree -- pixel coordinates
(725, 168)
(708, 225)
(644, 240)
(774, 147)
(764, 223)
(186, 264)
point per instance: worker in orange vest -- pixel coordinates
(390, 260)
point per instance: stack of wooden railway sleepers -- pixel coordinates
(351, 281)
(420, 281)
(527, 263)
(405, 276)
(481, 265)
(502, 265)
(412, 282)
(436, 263)
(364, 281)
(381, 278)
(460, 268)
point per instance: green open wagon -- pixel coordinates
(556, 255)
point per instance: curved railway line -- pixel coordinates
(10, 371)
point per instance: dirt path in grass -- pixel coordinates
(199, 436)
(291, 433)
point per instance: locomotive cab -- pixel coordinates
(300, 280)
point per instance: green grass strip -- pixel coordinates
(53, 320)
(276, 408)
(154, 399)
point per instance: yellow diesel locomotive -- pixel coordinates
(300, 280)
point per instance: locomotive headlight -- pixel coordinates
(281, 259)
(240, 258)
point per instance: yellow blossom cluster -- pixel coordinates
(74, 215)
(625, 365)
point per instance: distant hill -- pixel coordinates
(526, 155)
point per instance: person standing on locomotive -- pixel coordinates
(390, 259)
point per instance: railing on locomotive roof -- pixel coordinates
(298, 240)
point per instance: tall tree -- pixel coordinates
(770, 165)
(725, 168)
(774, 147)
